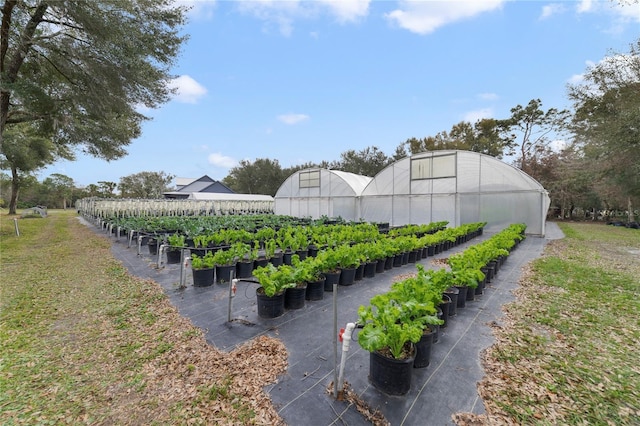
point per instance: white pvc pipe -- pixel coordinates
(346, 342)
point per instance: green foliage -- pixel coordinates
(225, 257)
(483, 136)
(145, 185)
(347, 256)
(607, 113)
(77, 73)
(386, 326)
(274, 280)
(270, 248)
(203, 262)
(262, 176)
(176, 240)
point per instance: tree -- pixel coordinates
(367, 162)
(534, 128)
(59, 189)
(145, 185)
(78, 71)
(24, 152)
(607, 120)
(263, 176)
(107, 189)
(485, 137)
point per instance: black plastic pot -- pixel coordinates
(294, 297)
(270, 306)
(315, 290)
(471, 294)
(370, 269)
(331, 278)
(359, 272)
(302, 254)
(380, 266)
(173, 256)
(453, 294)
(347, 276)
(260, 262)
(423, 350)
(153, 247)
(223, 273)
(389, 375)
(462, 296)
(388, 263)
(444, 307)
(244, 269)
(202, 277)
(277, 260)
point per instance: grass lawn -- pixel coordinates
(567, 352)
(84, 342)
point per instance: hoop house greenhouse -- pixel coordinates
(321, 192)
(455, 186)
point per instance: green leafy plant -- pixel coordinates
(176, 241)
(270, 247)
(202, 262)
(224, 257)
(347, 256)
(274, 280)
(386, 325)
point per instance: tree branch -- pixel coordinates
(26, 40)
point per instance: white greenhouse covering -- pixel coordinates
(456, 186)
(321, 192)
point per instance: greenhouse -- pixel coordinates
(454, 186)
(321, 192)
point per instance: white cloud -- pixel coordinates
(188, 90)
(347, 10)
(283, 14)
(292, 118)
(473, 116)
(223, 161)
(199, 9)
(551, 9)
(584, 6)
(623, 12)
(426, 17)
(488, 96)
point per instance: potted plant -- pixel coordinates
(301, 273)
(202, 269)
(225, 262)
(329, 265)
(315, 278)
(245, 257)
(270, 253)
(176, 245)
(389, 336)
(348, 261)
(273, 282)
(200, 244)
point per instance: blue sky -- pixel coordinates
(301, 81)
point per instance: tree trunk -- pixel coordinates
(15, 186)
(630, 209)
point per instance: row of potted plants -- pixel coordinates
(398, 327)
(337, 265)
